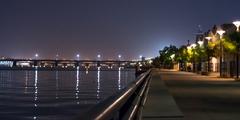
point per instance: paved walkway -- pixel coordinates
(160, 105)
(198, 97)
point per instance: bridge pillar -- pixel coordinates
(110, 65)
(65, 65)
(56, 63)
(77, 64)
(86, 65)
(35, 62)
(98, 64)
(14, 63)
(119, 64)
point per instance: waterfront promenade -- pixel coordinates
(197, 97)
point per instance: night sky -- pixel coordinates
(106, 27)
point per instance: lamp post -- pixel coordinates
(221, 32)
(193, 49)
(237, 24)
(200, 43)
(208, 56)
(188, 49)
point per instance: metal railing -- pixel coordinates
(125, 105)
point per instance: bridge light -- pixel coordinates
(57, 56)
(36, 55)
(99, 57)
(119, 57)
(140, 57)
(78, 56)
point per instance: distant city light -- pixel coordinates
(140, 56)
(119, 56)
(99, 56)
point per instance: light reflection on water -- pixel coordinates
(57, 94)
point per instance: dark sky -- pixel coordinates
(107, 27)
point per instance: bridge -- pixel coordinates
(50, 63)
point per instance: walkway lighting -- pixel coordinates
(221, 32)
(237, 24)
(208, 38)
(200, 43)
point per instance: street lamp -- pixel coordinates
(192, 47)
(209, 39)
(221, 32)
(237, 24)
(200, 43)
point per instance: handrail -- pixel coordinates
(118, 106)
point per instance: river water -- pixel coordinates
(55, 95)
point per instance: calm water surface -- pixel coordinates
(54, 95)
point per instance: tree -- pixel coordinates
(235, 36)
(228, 45)
(156, 62)
(182, 57)
(166, 54)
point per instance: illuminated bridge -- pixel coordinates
(84, 64)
